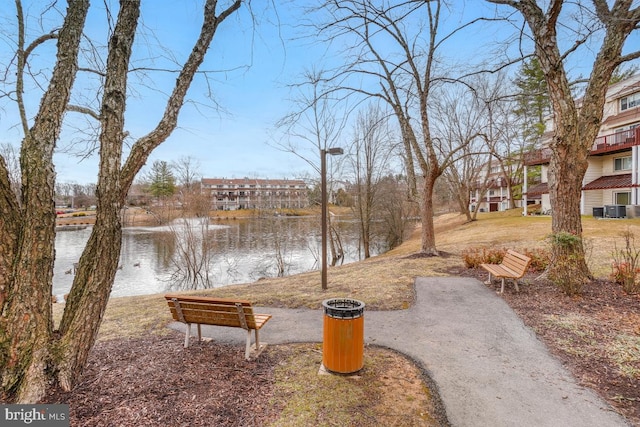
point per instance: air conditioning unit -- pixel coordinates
(598, 212)
(615, 211)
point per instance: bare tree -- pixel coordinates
(315, 126)
(394, 58)
(193, 254)
(600, 26)
(188, 173)
(504, 132)
(316, 122)
(369, 157)
(394, 208)
(27, 227)
(32, 354)
(459, 123)
(192, 200)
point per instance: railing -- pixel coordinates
(537, 157)
(603, 144)
(616, 141)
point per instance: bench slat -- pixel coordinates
(209, 317)
(207, 300)
(212, 308)
(499, 270)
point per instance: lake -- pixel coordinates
(238, 252)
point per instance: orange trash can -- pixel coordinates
(343, 335)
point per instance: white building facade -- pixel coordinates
(232, 194)
(612, 179)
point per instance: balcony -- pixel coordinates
(537, 157)
(606, 144)
(618, 141)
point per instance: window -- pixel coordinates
(622, 164)
(623, 198)
(630, 101)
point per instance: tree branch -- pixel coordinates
(145, 145)
(83, 110)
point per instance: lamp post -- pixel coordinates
(323, 189)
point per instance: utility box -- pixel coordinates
(598, 212)
(615, 211)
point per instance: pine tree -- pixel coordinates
(162, 182)
(533, 100)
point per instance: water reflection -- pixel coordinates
(241, 251)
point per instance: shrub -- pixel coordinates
(540, 259)
(79, 214)
(473, 257)
(626, 265)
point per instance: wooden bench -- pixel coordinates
(513, 266)
(219, 312)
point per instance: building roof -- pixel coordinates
(624, 87)
(602, 183)
(538, 190)
(630, 115)
(610, 181)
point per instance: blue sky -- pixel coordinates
(230, 141)
(255, 61)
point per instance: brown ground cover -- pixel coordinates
(153, 381)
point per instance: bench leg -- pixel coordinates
(199, 333)
(502, 287)
(488, 282)
(516, 283)
(247, 350)
(187, 335)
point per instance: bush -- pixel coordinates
(626, 265)
(79, 214)
(473, 257)
(540, 259)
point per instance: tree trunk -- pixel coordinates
(428, 245)
(462, 199)
(92, 284)
(88, 298)
(27, 327)
(566, 170)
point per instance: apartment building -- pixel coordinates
(611, 182)
(490, 192)
(232, 194)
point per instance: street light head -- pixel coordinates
(335, 151)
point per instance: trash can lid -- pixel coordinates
(343, 308)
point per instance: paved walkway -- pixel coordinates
(490, 369)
